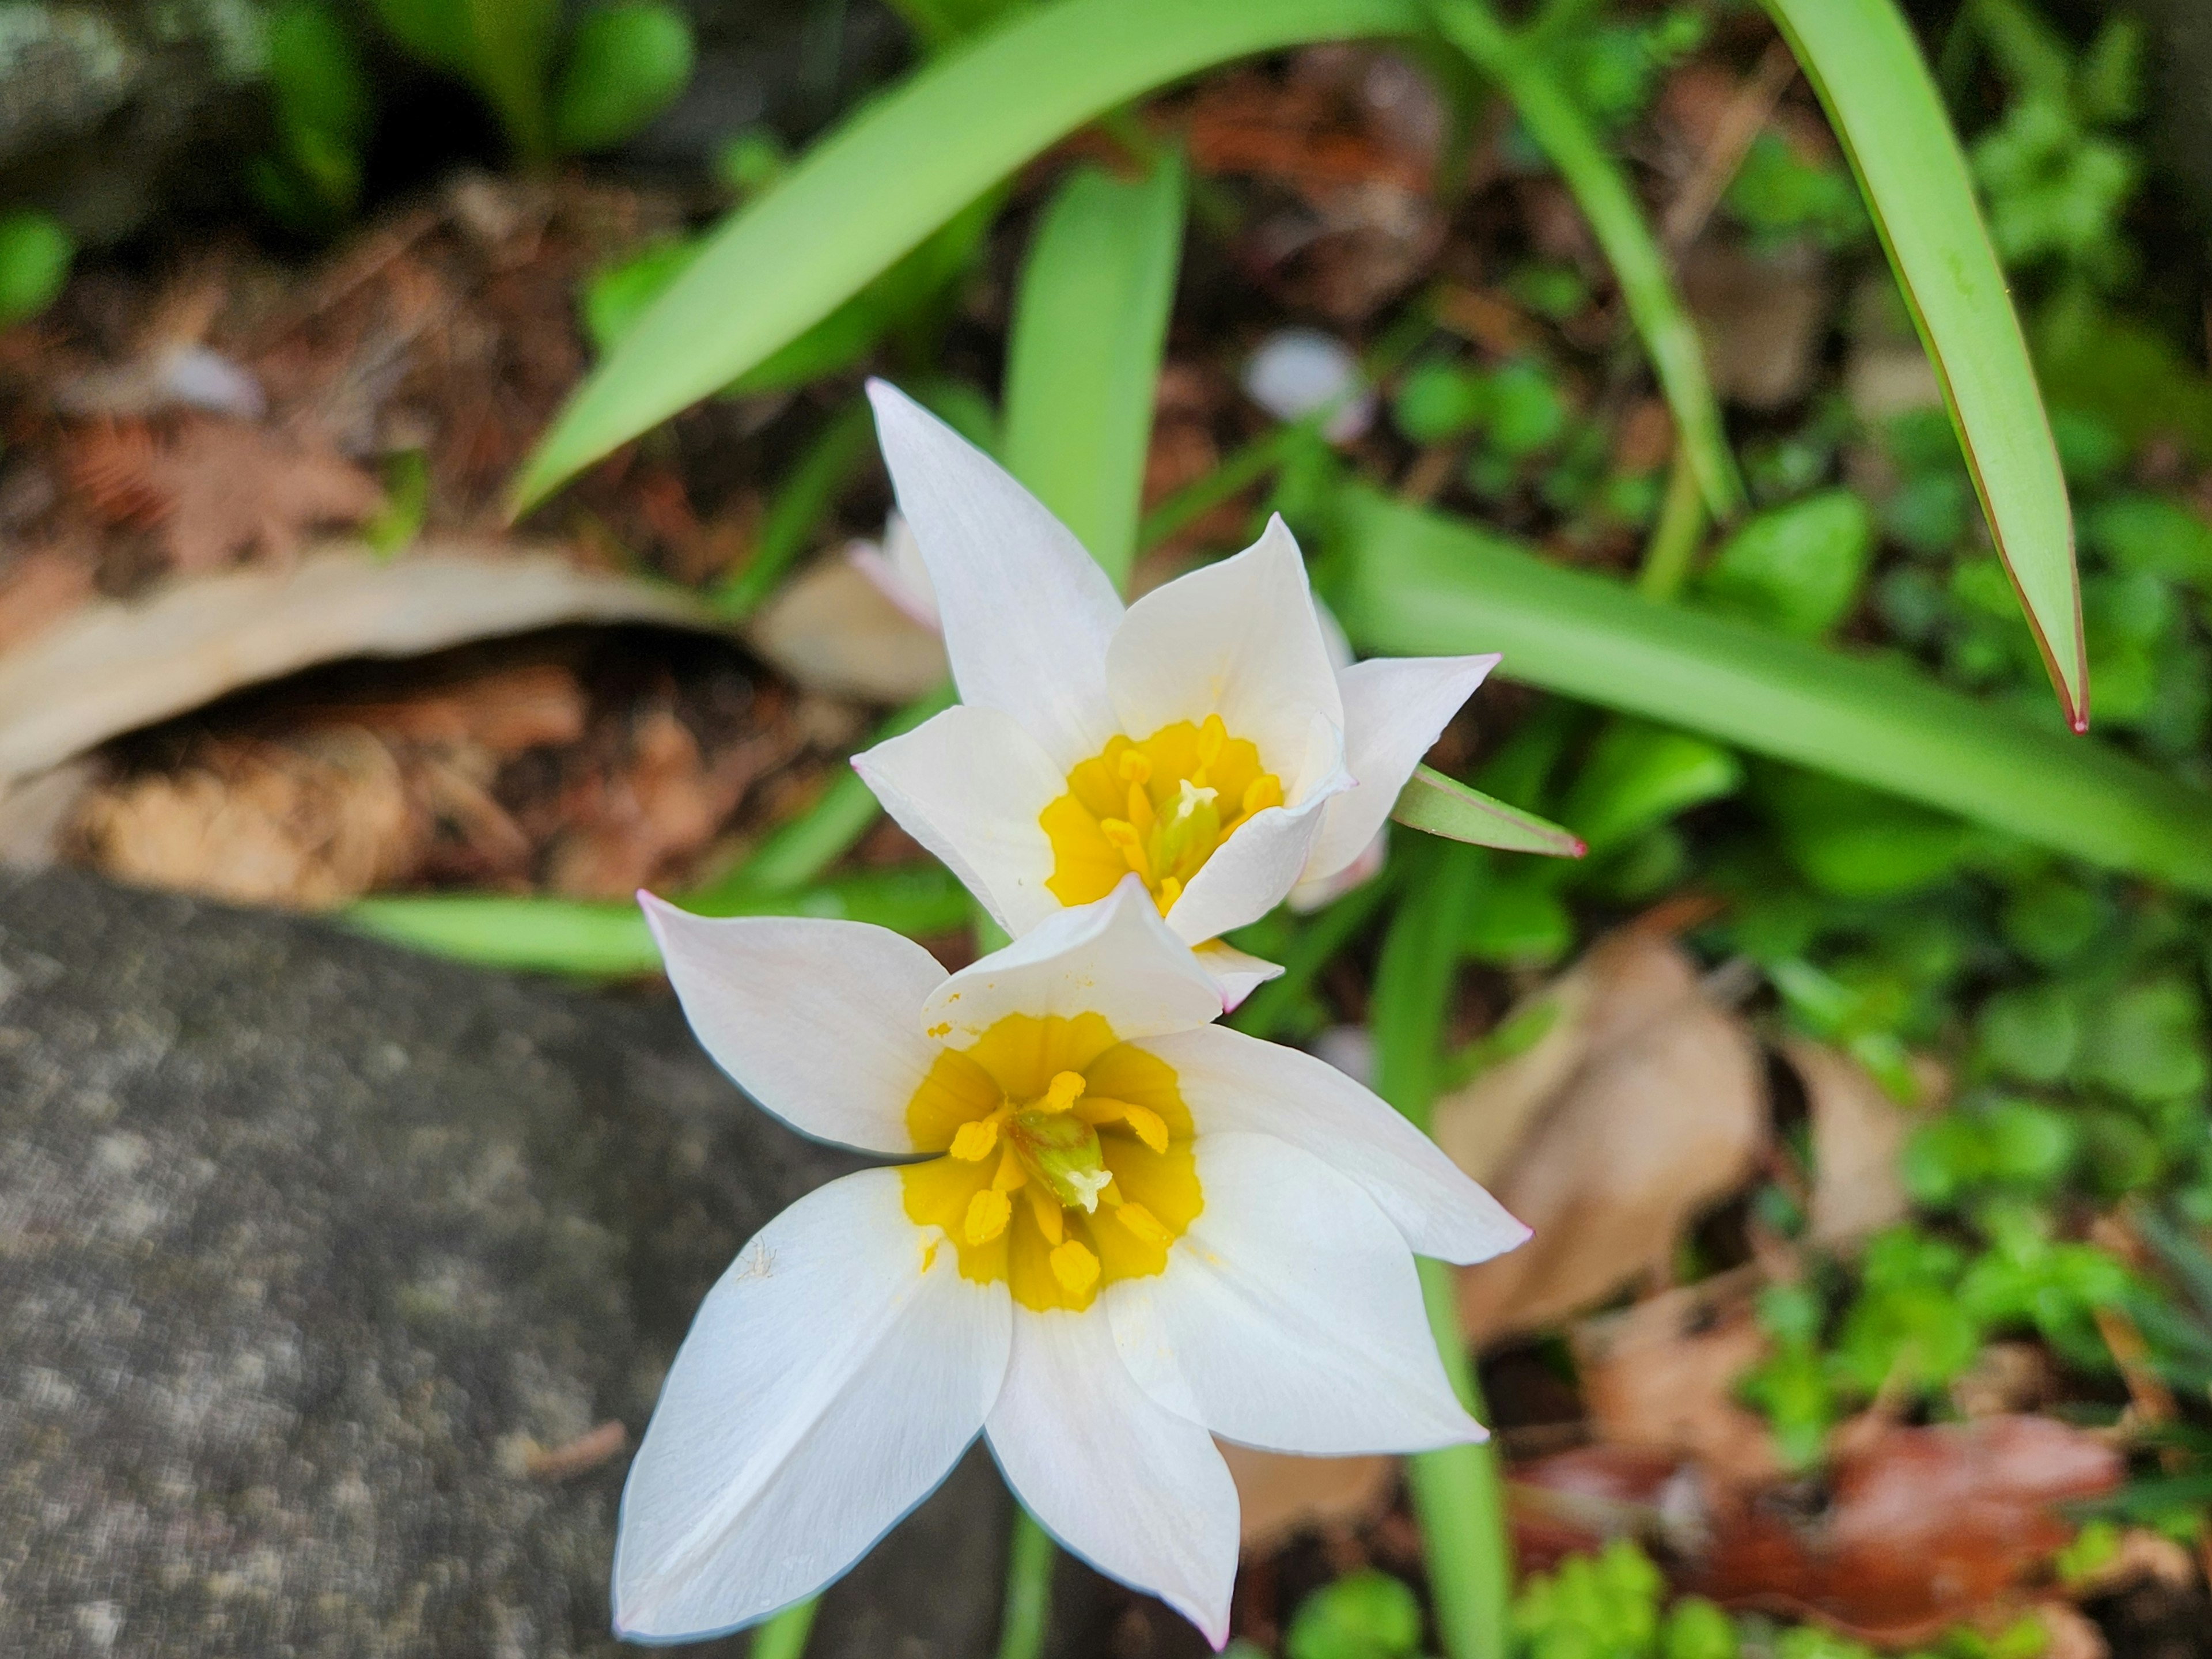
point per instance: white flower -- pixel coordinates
(1131, 1230)
(1202, 738)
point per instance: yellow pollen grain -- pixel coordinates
(1262, 793)
(1147, 1125)
(1074, 1266)
(972, 1142)
(1046, 1208)
(1062, 1092)
(1145, 1225)
(988, 1211)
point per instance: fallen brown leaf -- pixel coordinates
(38, 589)
(832, 630)
(1642, 1103)
(1858, 1131)
(1280, 1496)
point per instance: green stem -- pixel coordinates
(831, 458)
(1457, 1494)
(784, 1637)
(1028, 1589)
(1672, 552)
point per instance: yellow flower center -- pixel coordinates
(1158, 807)
(1065, 1158)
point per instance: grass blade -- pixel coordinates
(1419, 583)
(1601, 190)
(1861, 59)
(1090, 322)
(1444, 807)
(905, 164)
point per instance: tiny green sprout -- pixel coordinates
(627, 62)
(750, 160)
(1362, 1615)
(35, 256)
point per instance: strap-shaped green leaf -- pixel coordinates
(900, 167)
(1439, 805)
(1415, 582)
(1862, 58)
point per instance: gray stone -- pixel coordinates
(307, 1244)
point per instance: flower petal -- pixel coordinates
(1290, 1316)
(1313, 892)
(1238, 973)
(1239, 639)
(1027, 612)
(817, 1020)
(969, 784)
(829, 1381)
(1233, 1082)
(1394, 708)
(1136, 1490)
(1252, 871)
(1115, 958)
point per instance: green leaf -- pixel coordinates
(900, 167)
(1362, 1615)
(1090, 319)
(1601, 190)
(1638, 776)
(35, 256)
(1797, 567)
(627, 61)
(1417, 583)
(1860, 58)
(511, 51)
(1857, 842)
(1439, 805)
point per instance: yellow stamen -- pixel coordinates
(1143, 1223)
(1148, 1126)
(1121, 835)
(1046, 1208)
(1011, 1174)
(972, 1142)
(1170, 891)
(1263, 791)
(1074, 1266)
(988, 1211)
(1212, 736)
(1062, 1092)
(1142, 818)
(1135, 766)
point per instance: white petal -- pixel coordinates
(895, 566)
(1238, 639)
(1238, 973)
(830, 1380)
(1027, 612)
(969, 784)
(1290, 1316)
(1253, 870)
(1138, 1492)
(1233, 1082)
(819, 1021)
(1312, 892)
(1394, 708)
(1115, 958)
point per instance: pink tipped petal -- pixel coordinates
(831, 1378)
(1138, 1492)
(1394, 710)
(817, 1020)
(1239, 639)
(969, 784)
(1290, 1316)
(1234, 1083)
(1115, 958)
(1027, 612)
(1236, 972)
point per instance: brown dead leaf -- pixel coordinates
(38, 589)
(832, 630)
(1858, 1131)
(2070, 1634)
(1280, 1495)
(1761, 317)
(215, 488)
(503, 713)
(667, 800)
(1662, 1375)
(1642, 1103)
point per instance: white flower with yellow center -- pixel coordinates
(1128, 1231)
(1202, 739)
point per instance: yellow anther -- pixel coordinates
(1143, 1223)
(988, 1211)
(1047, 1211)
(972, 1142)
(1062, 1092)
(1074, 1266)
(1135, 766)
(1121, 835)
(1263, 791)
(1148, 1126)
(1010, 1175)
(1170, 891)
(1210, 737)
